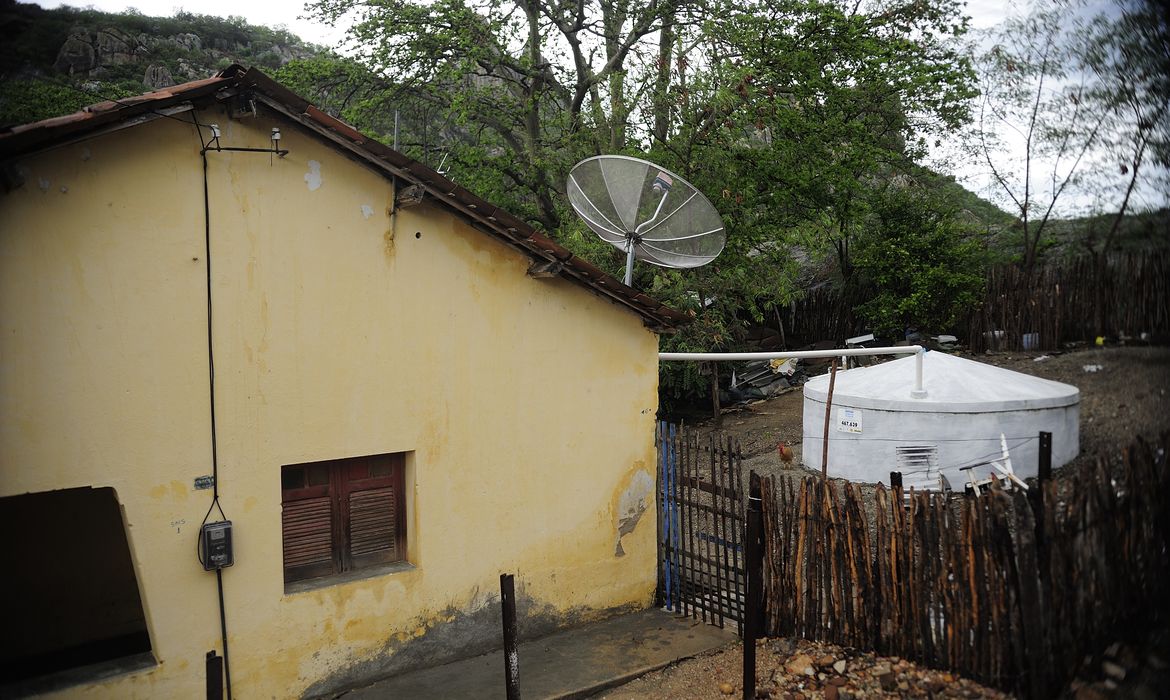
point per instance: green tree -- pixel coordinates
(920, 262)
(517, 90)
(1128, 58)
(803, 108)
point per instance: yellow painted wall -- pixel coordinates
(527, 405)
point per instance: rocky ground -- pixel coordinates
(1124, 392)
(790, 669)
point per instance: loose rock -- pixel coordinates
(799, 665)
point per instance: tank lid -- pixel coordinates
(953, 385)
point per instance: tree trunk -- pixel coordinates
(613, 18)
(662, 79)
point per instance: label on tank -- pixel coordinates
(849, 420)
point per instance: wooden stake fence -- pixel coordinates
(964, 583)
(1073, 301)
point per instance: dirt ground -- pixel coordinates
(1125, 392)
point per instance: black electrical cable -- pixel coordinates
(227, 673)
(205, 146)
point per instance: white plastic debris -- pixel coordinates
(786, 366)
(1093, 368)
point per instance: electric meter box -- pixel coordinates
(217, 545)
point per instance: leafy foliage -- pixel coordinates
(923, 268)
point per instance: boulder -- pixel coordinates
(115, 47)
(158, 76)
(77, 54)
(188, 41)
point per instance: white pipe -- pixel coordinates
(919, 392)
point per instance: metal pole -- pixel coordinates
(1044, 472)
(919, 392)
(754, 561)
(214, 676)
(511, 658)
(828, 410)
(803, 354)
(227, 669)
(629, 262)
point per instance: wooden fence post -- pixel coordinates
(754, 561)
(1043, 475)
(828, 413)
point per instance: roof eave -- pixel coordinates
(488, 218)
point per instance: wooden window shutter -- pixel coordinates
(373, 526)
(307, 522)
(373, 511)
(308, 538)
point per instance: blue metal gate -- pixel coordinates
(700, 526)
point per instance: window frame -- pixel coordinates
(345, 478)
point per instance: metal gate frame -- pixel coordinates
(701, 517)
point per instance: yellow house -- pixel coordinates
(393, 390)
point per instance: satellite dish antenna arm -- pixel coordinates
(657, 211)
(634, 237)
(672, 213)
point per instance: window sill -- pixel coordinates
(82, 675)
(313, 584)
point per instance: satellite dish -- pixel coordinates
(646, 211)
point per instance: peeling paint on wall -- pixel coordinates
(631, 506)
(44, 184)
(367, 211)
(313, 177)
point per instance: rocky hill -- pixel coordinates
(56, 61)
